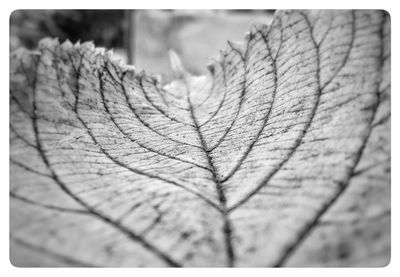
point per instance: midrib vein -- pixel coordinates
(227, 227)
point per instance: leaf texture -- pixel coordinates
(279, 157)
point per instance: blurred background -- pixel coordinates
(141, 37)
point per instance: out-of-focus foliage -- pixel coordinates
(195, 35)
(104, 27)
(141, 37)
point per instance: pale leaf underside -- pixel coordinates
(279, 157)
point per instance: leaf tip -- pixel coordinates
(234, 45)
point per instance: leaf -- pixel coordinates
(280, 157)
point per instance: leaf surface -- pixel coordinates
(279, 157)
